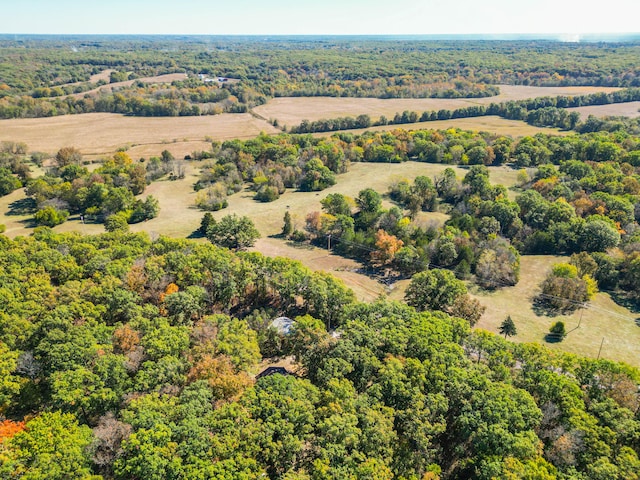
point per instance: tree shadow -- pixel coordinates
(625, 300)
(196, 234)
(553, 337)
(29, 222)
(24, 206)
(542, 308)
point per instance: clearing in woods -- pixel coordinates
(603, 319)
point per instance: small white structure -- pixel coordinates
(283, 325)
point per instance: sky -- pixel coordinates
(319, 17)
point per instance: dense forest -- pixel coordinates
(44, 76)
(138, 357)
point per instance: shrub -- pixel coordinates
(558, 329)
(50, 216)
(118, 222)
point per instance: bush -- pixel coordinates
(118, 222)
(298, 236)
(558, 330)
(213, 198)
(267, 194)
(50, 216)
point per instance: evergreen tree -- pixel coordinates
(287, 228)
(508, 328)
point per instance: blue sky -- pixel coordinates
(217, 17)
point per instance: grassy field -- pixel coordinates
(292, 110)
(603, 319)
(102, 133)
(628, 109)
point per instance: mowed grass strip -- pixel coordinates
(488, 123)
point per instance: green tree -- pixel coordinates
(434, 290)
(117, 222)
(234, 232)
(287, 227)
(598, 236)
(508, 327)
(50, 216)
(207, 220)
(558, 330)
(9, 383)
(337, 204)
(52, 446)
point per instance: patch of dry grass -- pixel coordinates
(628, 109)
(292, 110)
(103, 133)
(603, 319)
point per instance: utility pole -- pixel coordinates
(329, 242)
(600, 351)
(584, 305)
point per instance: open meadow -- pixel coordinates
(603, 322)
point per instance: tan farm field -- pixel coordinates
(489, 123)
(103, 133)
(628, 109)
(292, 110)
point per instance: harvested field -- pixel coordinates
(166, 78)
(103, 133)
(628, 109)
(489, 123)
(292, 110)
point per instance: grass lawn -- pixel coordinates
(602, 319)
